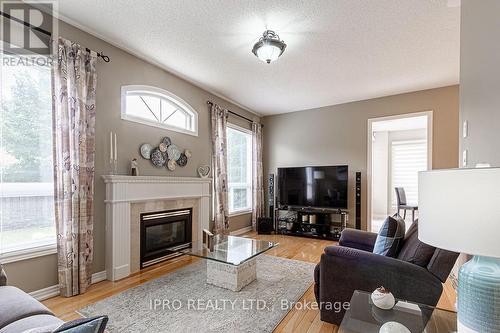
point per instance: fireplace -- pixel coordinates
(163, 231)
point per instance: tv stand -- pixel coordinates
(311, 222)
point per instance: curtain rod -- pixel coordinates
(47, 33)
(236, 114)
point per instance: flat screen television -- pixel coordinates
(313, 186)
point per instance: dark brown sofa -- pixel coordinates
(352, 266)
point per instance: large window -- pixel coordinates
(157, 107)
(26, 168)
(239, 165)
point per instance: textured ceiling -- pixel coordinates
(338, 50)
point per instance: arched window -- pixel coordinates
(157, 107)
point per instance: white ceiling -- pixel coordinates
(338, 50)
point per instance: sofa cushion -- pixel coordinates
(390, 237)
(442, 263)
(84, 325)
(414, 251)
(34, 324)
(16, 304)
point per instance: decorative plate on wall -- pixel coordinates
(146, 150)
(183, 160)
(165, 154)
(166, 140)
(173, 152)
(157, 158)
(163, 147)
(171, 165)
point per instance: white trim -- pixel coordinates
(122, 190)
(53, 291)
(141, 121)
(161, 93)
(149, 59)
(429, 115)
(98, 277)
(28, 253)
(136, 200)
(153, 179)
(248, 186)
(241, 231)
(240, 212)
(45, 293)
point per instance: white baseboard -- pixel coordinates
(241, 231)
(98, 277)
(45, 293)
(53, 291)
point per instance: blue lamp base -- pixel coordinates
(479, 296)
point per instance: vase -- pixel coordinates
(479, 296)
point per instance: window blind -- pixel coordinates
(407, 159)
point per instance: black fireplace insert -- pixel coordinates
(163, 231)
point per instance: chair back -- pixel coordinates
(400, 196)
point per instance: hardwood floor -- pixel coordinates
(297, 248)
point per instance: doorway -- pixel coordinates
(398, 148)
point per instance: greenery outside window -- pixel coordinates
(27, 220)
(239, 165)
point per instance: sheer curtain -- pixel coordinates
(257, 176)
(219, 165)
(74, 88)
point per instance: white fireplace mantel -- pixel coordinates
(121, 191)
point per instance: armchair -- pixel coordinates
(350, 266)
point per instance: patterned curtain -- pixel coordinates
(219, 165)
(74, 87)
(257, 176)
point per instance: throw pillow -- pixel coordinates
(84, 325)
(390, 237)
(413, 250)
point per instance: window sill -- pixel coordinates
(240, 212)
(29, 253)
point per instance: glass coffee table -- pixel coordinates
(232, 263)
(364, 317)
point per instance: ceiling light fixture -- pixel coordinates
(269, 47)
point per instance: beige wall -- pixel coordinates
(125, 69)
(479, 86)
(480, 80)
(338, 134)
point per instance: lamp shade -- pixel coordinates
(459, 210)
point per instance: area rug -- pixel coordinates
(182, 301)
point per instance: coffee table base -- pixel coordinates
(231, 277)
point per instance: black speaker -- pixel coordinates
(264, 225)
(358, 200)
(271, 196)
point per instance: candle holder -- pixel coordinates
(112, 167)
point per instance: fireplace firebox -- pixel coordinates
(161, 232)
